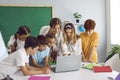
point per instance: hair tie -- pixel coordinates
(68, 26)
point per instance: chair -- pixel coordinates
(44, 30)
(3, 49)
(114, 62)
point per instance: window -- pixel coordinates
(115, 21)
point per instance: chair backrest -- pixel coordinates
(3, 49)
(114, 62)
(44, 30)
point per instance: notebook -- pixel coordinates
(102, 69)
(118, 77)
(114, 76)
(39, 78)
(67, 63)
(90, 66)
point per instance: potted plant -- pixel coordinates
(77, 16)
(115, 50)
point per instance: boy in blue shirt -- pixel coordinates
(40, 59)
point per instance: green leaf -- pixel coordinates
(77, 15)
(115, 50)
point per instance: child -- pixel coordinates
(71, 43)
(40, 59)
(18, 39)
(53, 47)
(89, 42)
(54, 27)
(19, 60)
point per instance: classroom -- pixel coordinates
(100, 11)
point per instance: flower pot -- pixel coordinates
(77, 20)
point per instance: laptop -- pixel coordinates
(67, 63)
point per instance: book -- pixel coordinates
(113, 75)
(102, 69)
(90, 66)
(118, 77)
(39, 78)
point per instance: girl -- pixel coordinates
(55, 27)
(89, 42)
(71, 43)
(18, 39)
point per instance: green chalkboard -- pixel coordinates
(11, 17)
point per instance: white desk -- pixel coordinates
(82, 74)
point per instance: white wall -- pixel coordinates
(64, 9)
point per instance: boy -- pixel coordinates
(19, 60)
(40, 59)
(53, 47)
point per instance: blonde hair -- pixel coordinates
(74, 36)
